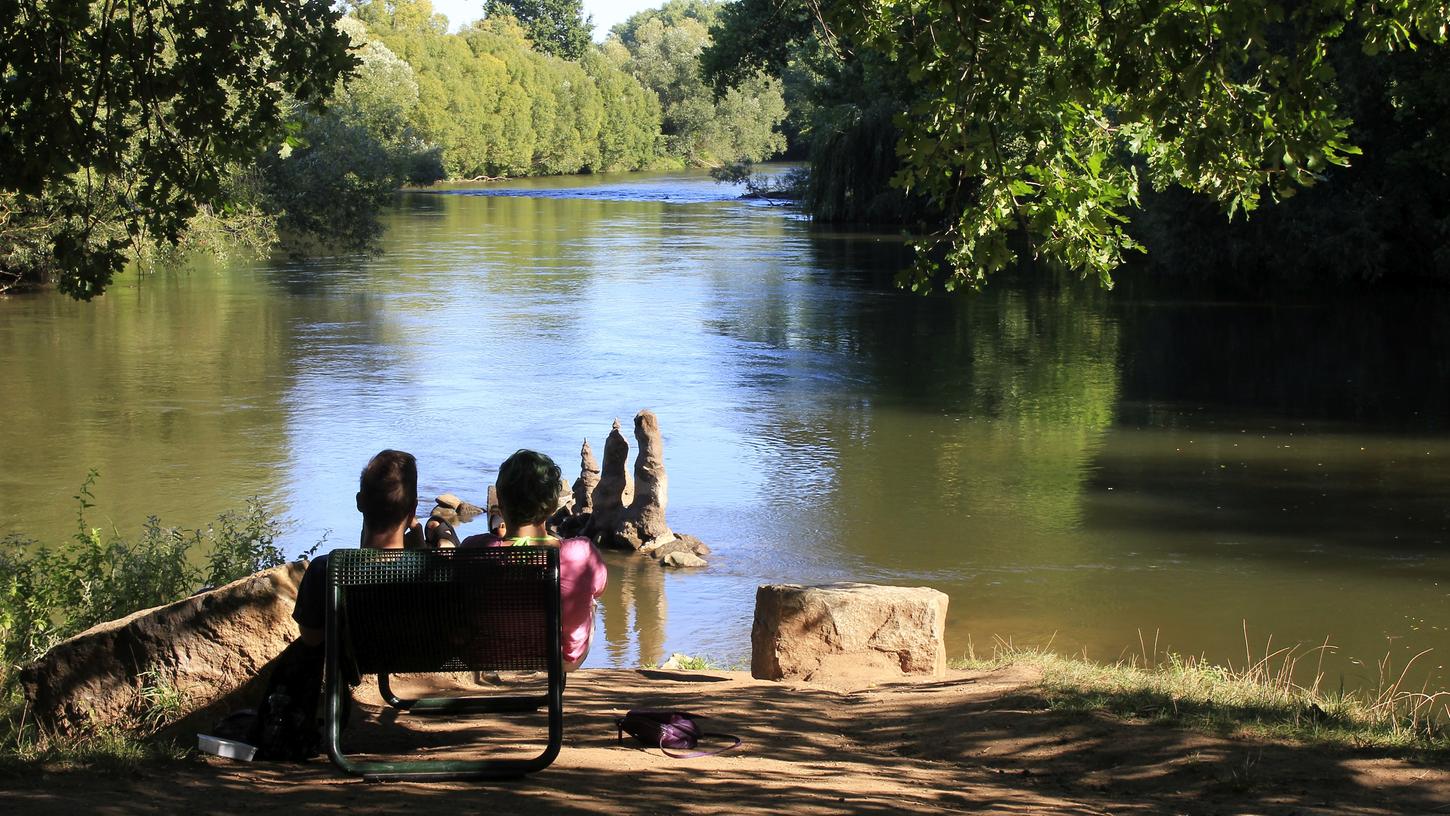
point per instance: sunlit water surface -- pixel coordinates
(1071, 466)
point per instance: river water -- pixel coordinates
(1073, 467)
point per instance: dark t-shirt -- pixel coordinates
(311, 608)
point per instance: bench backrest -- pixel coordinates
(484, 609)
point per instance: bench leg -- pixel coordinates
(494, 703)
(440, 769)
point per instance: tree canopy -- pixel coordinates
(495, 106)
(1036, 126)
(557, 27)
(118, 121)
(661, 48)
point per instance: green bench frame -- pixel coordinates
(485, 609)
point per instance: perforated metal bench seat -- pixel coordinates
(487, 609)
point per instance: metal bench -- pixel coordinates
(486, 609)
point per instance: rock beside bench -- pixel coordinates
(209, 647)
(848, 633)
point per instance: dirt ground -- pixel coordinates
(972, 742)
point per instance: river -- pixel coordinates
(1072, 466)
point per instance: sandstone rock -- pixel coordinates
(646, 511)
(625, 538)
(563, 508)
(588, 478)
(468, 512)
(608, 496)
(848, 632)
(448, 514)
(209, 646)
(697, 546)
(678, 545)
(651, 546)
(683, 559)
(448, 500)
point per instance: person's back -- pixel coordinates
(528, 489)
(387, 497)
(287, 725)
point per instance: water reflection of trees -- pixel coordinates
(1381, 361)
(633, 608)
(937, 421)
(171, 386)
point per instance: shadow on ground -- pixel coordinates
(974, 742)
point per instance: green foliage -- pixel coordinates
(1036, 127)
(338, 167)
(701, 128)
(626, 139)
(161, 701)
(789, 186)
(557, 27)
(755, 36)
(1386, 215)
(48, 594)
(495, 106)
(120, 122)
(843, 105)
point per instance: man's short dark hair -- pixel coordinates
(387, 491)
(528, 488)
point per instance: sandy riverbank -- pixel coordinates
(979, 742)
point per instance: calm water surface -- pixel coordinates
(1071, 466)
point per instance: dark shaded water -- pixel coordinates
(1070, 466)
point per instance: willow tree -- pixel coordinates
(700, 129)
(119, 121)
(557, 27)
(1036, 124)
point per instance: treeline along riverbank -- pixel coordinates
(377, 95)
(1083, 137)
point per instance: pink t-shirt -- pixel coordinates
(581, 579)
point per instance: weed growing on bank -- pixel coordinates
(24, 751)
(683, 662)
(1260, 698)
(49, 593)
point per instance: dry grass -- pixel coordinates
(1267, 695)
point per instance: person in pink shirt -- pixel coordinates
(528, 492)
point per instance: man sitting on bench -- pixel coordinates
(528, 492)
(387, 496)
(287, 723)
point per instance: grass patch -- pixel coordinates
(1260, 698)
(26, 752)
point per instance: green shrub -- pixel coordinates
(49, 593)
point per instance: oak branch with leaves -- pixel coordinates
(1035, 124)
(120, 119)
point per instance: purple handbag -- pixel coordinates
(667, 731)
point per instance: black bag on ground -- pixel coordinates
(288, 726)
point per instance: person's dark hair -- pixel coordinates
(528, 488)
(387, 491)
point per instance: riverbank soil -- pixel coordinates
(978, 742)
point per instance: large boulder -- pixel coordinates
(207, 647)
(847, 633)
